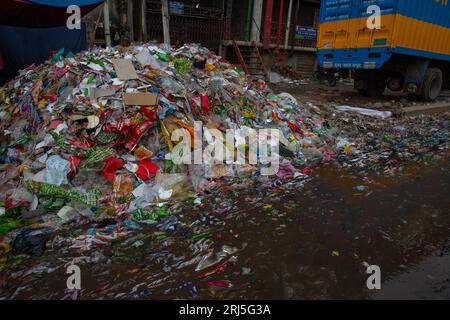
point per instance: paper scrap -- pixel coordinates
(124, 69)
(140, 99)
(102, 92)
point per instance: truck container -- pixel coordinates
(409, 49)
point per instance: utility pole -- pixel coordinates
(165, 18)
(288, 28)
(228, 17)
(106, 24)
(256, 23)
(248, 22)
(130, 20)
(144, 20)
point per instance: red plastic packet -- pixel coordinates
(294, 128)
(112, 165)
(138, 132)
(11, 203)
(204, 100)
(81, 144)
(54, 124)
(74, 162)
(50, 97)
(146, 169)
(150, 114)
(308, 171)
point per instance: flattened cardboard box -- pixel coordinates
(140, 99)
(124, 69)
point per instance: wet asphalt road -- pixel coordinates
(297, 242)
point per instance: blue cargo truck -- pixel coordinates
(403, 45)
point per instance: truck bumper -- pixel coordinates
(353, 58)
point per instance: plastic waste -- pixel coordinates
(57, 170)
(30, 242)
(67, 213)
(122, 186)
(367, 112)
(72, 148)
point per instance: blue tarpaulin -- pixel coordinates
(66, 3)
(41, 13)
(21, 47)
(31, 29)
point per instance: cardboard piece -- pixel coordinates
(101, 92)
(124, 69)
(140, 99)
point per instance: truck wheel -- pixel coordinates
(432, 84)
(375, 88)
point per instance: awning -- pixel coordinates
(40, 13)
(66, 3)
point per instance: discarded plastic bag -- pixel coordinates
(57, 170)
(367, 112)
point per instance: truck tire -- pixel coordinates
(372, 86)
(375, 87)
(432, 84)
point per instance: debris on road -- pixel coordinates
(367, 112)
(87, 157)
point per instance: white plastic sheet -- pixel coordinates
(367, 112)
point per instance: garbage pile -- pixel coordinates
(90, 135)
(368, 145)
(87, 164)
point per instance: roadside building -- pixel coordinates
(258, 34)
